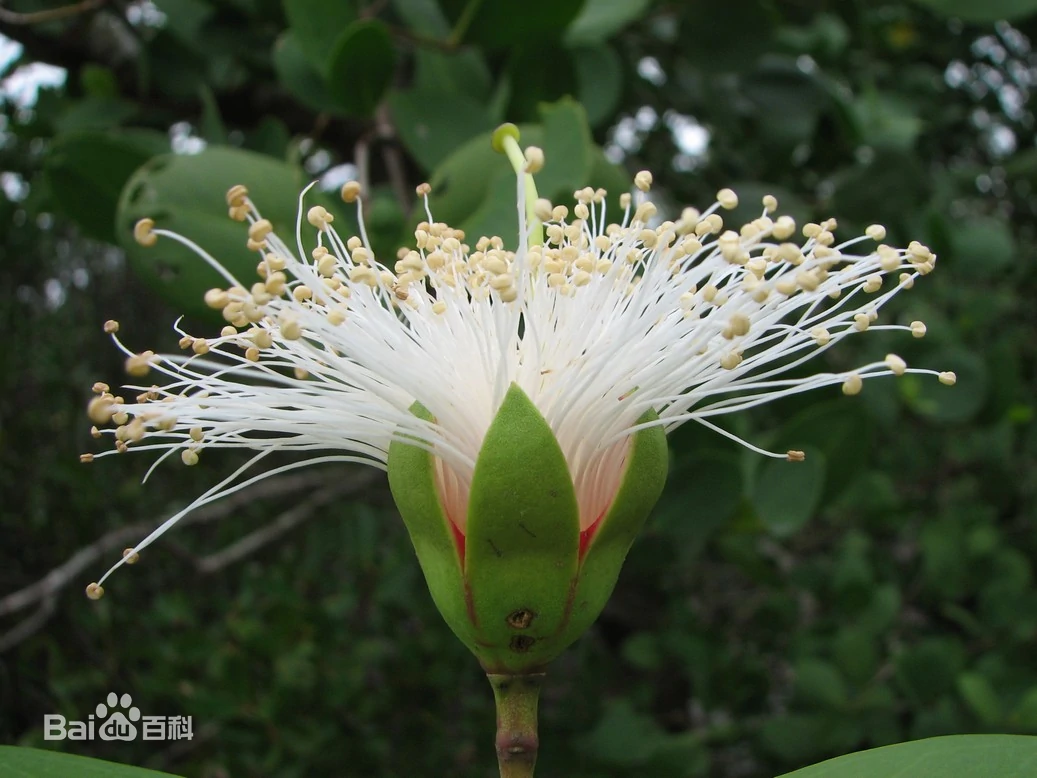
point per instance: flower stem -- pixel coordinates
(517, 740)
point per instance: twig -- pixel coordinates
(26, 628)
(393, 159)
(58, 578)
(51, 14)
(256, 539)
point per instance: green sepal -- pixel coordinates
(640, 488)
(523, 539)
(412, 480)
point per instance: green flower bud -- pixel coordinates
(521, 582)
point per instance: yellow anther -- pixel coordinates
(252, 354)
(86, 458)
(821, 336)
(319, 217)
(94, 591)
(236, 196)
(731, 361)
(770, 203)
(727, 199)
(111, 326)
(643, 180)
(142, 232)
(918, 251)
(542, 209)
(301, 374)
(812, 230)
(258, 230)
(559, 213)
(131, 556)
(896, 364)
(534, 159)
(876, 232)
(795, 456)
(217, 299)
(189, 457)
(99, 387)
(918, 329)
(784, 228)
(139, 364)
(275, 284)
(196, 433)
(739, 324)
(624, 200)
(907, 280)
(290, 327)
(302, 293)
(423, 190)
(439, 307)
(229, 332)
(861, 322)
(872, 283)
(200, 346)
(853, 385)
(238, 213)
(948, 378)
(351, 191)
(808, 280)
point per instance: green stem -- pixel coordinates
(517, 740)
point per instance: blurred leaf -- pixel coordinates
(298, 76)
(786, 494)
(950, 404)
(317, 26)
(599, 75)
(599, 20)
(431, 125)
(788, 102)
(982, 247)
(962, 756)
(820, 683)
(981, 698)
(1025, 713)
(464, 72)
(423, 16)
(887, 120)
(729, 35)
(35, 763)
(499, 25)
(186, 194)
(95, 113)
(705, 492)
(985, 12)
(87, 170)
(929, 668)
(186, 18)
(361, 67)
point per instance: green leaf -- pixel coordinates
(820, 683)
(522, 539)
(361, 67)
(730, 35)
(431, 125)
(599, 76)
(981, 698)
(985, 12)
(599, 20)
(498, 25)
(787, 494)
(464, 72)
(949, 404)
(95, 113)
(299, 76)
(318, 26)
(982, 247)
(87, 171)
(185, 193)
(961, 756)
(568, 148)
(36, 763)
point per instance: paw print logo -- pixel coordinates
(120, 725)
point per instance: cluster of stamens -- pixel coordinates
(598, 322)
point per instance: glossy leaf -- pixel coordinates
(36, 763)
(985, 12)
(361, 66)
(963, 756)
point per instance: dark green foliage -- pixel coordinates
(766, 618)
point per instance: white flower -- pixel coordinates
(597, 323)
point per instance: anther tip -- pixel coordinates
(506, 130)
(94, 591)
(111, 326)
(795, 456)
(351, 191)
(131, 556)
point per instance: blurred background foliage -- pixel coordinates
(769, 617)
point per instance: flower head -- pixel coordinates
(607, 326)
